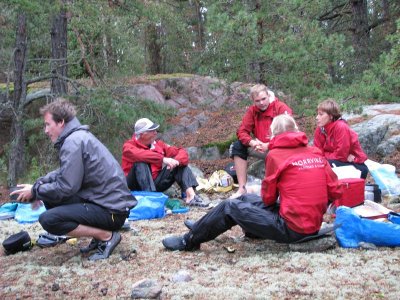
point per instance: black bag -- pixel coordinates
(375, 190)
(20, 241)
(230, 169)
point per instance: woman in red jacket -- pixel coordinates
(296, 174)
(337, 141)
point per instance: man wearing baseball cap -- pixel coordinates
(152, 165)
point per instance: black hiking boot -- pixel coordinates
(93, 245)
(179, 243)
(105, 248)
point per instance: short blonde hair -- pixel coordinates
(257, 89)
(283, 123)
(331, 107)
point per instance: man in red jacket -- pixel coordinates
(254, 131)
(302, 203)
(151, 165)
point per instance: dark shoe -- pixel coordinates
(105, 248)
(178, 243)
(198, 201)
(93, 245)
(189, 223)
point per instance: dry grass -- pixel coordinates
(256, 270)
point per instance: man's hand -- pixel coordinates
(259, 146)
(24, 194)
(255, 144)
(170, 162)
(262, 147)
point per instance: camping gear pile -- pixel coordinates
(359, 216)
(219, 181)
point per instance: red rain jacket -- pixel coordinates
(337, 140)
(257, 122)
(303, 180)
(133, 151)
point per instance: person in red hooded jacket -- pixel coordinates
(254, 131)
(337, 141)
(288, 210)
(152, 165)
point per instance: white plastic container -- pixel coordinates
(346, 172)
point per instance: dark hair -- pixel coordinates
(331, 108)
(60, 109)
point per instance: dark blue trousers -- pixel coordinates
(140, 179)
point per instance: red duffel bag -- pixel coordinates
(353, 192)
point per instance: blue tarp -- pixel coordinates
(355, 229)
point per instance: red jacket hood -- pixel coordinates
(288, 140)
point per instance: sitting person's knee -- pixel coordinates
(140, 166)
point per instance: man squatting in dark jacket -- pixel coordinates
(302, 203)
(87, 196)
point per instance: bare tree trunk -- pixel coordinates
(260, 41)
(153, 49)
(16, 162)
(360, 34)
(86, 64)
(59, 53)
(200, 25)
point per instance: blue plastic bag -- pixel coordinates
(25, 213)
(385, 177)
(7, 210)
(150, 205)
(354, 229)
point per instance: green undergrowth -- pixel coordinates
(110, 117)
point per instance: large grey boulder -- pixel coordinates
(380, 134)
(194, 91)
(142, 91)
(389, 146)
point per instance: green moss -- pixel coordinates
(168, 76)
(222, 145)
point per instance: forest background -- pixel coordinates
(348, 50)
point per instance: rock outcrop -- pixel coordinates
(380, 133)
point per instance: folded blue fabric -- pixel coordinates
(25, 213)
